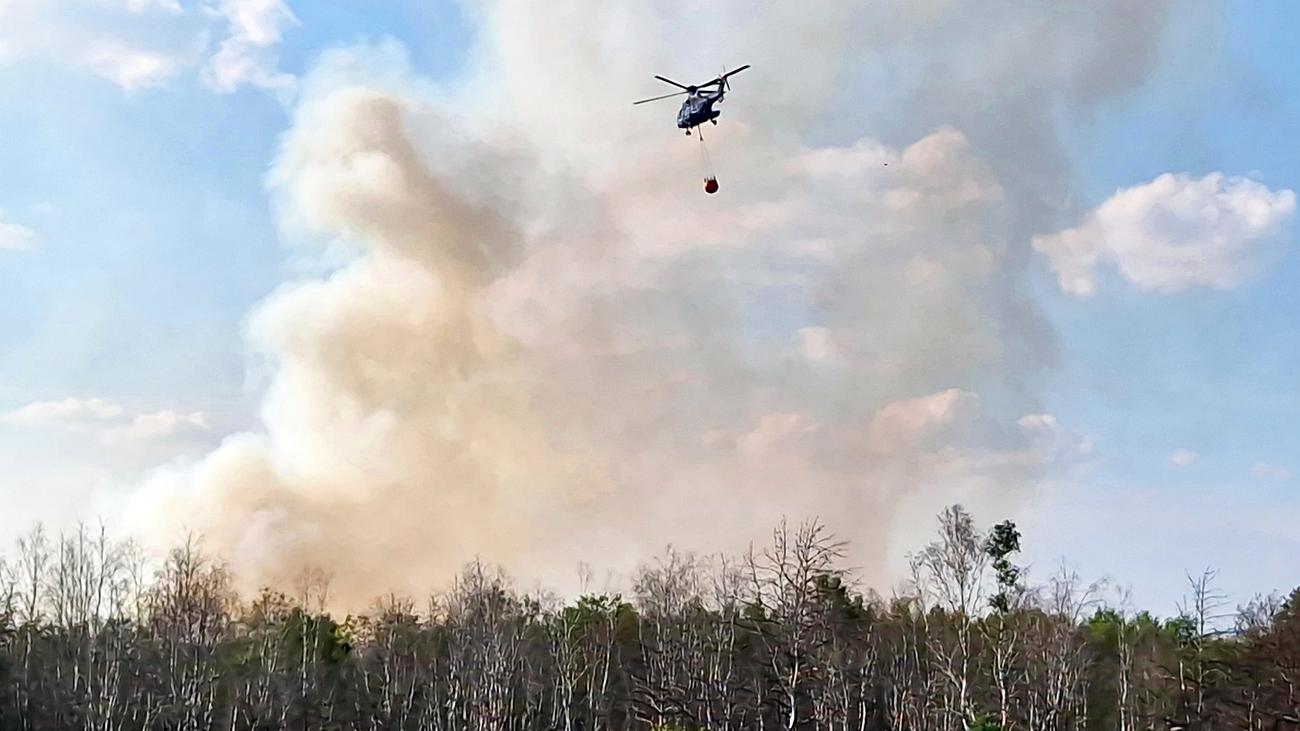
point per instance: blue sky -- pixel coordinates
(1208, 371)
(153, 236)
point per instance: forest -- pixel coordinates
(782, 637)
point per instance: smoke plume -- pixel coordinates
(539, 342)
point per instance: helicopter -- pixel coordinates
(698, 105)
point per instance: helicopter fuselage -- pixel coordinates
(698, 109)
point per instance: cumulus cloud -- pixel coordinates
(1171, 234)
(817, 345)
(15, 237)
(130, 68)
(1057, 443)
(139, 6)
(110, 422)
(71, 413)
(1183, 457)
(545, 342)
(247, 55)
(155, 425)
(118, 40)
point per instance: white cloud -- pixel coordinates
(109, 421)
(247, 54)
(15, 237)
(128, 67)
(1270, 472)
(1057, 444)
(904, 424)
(118, 41)
(156, 425)
(817, 345)
(1171, 234)
(1183, 457)
(75, 414)
(16, 21)
(139, 6)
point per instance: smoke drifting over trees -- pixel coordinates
(529, 335)
(782, 637)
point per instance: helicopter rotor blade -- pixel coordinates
(657, 98)
(722, 80)
(674, 83)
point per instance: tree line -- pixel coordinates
(781, 637)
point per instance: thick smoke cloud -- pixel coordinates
(541, 343)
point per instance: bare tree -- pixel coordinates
(951, 574)
(189, 614)
(668, 593)
(1204, 610)
(785, 585)
(1058, 672)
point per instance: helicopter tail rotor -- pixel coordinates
(724, 81)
